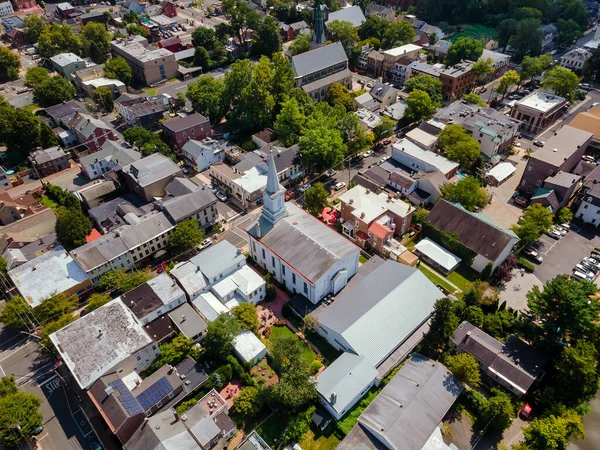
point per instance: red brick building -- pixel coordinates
(91, 132)
(180, 130)
(17, 37)
(169, 9)
(173, 44)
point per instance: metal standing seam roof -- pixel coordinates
(346, 377)
(352, 14)
(112, 151)
(304, 242)
(218, 259)
(426, 390)
(209, 306)
(189, 277)
(380, 311)
(184, 206)
(318, 59)
(438, 254)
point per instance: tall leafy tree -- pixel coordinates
(373, 27)
(241, 19)
(510, 78)
(562, 81)
(344, 32)
(506, 29)
(397, 34)
(245, 314)
(464, 367)
(534, 66)
(535, 221)
(322, 147)
(18, 314)
(464, 48)
(97, 300)
(289, 123)
(568, 31)
(562, 310)
(19, 413)
(459, 145)
(419, 105)
(384, 129)
(10, 63)
(443, 323)
(268, 38)
(315, 198)
(202, 58)
(468, 192)
(219, 335)
(71, 228)
(58, 38)
(55, 307)
(483, 67)
(206, 96)
(283, 78)
(338, 94)
(53, 90)
(428, 84)
(237, 78)
(118, 69)
(123, 281)
(95, 41)
(203, 37)
(552, 432)
(576, 374)
(527, 38)
(185, 236)
(104, 98)
(498, 411)
(301, 44)
(33, 26)
(35, 76)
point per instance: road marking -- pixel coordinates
(34, 372)
(17, 350)
(39, 439)
(3, 372)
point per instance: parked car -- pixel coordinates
(560, 230)
(221, 196)
(482, 90)
(579, 276)
(330, 173)
(521, 201)
(582, 269)
(339, 186)
(305, 187)
(585, 86)
(538, 143)
(205, 244)
(525, 411)
(532, 255)
(566, 226)
(367, 153)
(289, 194)
(591, 267)
(554, 234)
(212, 188)
(384, 159)
(591, 261)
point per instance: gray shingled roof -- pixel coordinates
(318, 59)
(121, 154)
(183, 123)
(379, 311)
(178, 208)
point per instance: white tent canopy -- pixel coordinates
(501, 172)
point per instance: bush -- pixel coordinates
(486, 272)
(315, 366)
(474, 400)
(225, 372)
(270, 292)
(527, 265)
(237, 368)
(247, 379)
(503, 273)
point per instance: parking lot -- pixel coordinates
(560, 256)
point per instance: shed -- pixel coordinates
(248, 348)
(501, 172)
(437, 256)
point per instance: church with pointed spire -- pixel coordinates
(302, 252)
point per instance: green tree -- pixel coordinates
(36, 76)
(397, 34)
(97, 300)
(428, 84)
(58, 38)
(241, 19)
(315, 198)
(459, 145)
(268, 38)
(553, 433)
(339, 94)
(203, 37)
(10, 63)
(572, 9)
(443, 323)
(185, 236)
(56, 306)
(202, 58)
(33, 26)
(71, 228)
(344, 32)
(18, 314)
(95, 41)
(103, 96)
(505, 29)
(236, 79)
(468, 192)
(533, 66)
(206, 96)
(123, 281)
(419, 105)
(576, 374)
(301, 44)
(568, 31)
(174, 352)
(131, 17)
(118, 69)
(535, 221)
(562, 81)
(54, 90)
(245, 314)
(219, 335)
(563, 310)
(283, 79)
(498, 411)
(384, 129)
(146, 141)
(322, 147)
(483, 67)
(373, 27)
(464, 48)
(136, 29)
(474, 314)
(510, 78)
(465, 368)
(527, 38)
(474, 99)
(289, 123)
(563, 215)
(247, 404)
(19, 413)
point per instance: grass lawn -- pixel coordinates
(314, 440)
(284, 332)
(49, 203)
(462, 277)
(475, 31)
(272, 429)
(152, 92)
(32, 108)
(436, 279)
(362, 259)
(351, 418)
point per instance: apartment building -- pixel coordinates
(456, 80)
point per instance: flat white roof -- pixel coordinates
(372, 205)
(431, 158)
(419, 136)
(244, 279)
(47, 275)
(398, 51)
(248, 346)
(209, 306)
(502, 171)
(541, 101)
(99, 82)
(437, 253)
(189, 277)
(165, 288)
(252, 180)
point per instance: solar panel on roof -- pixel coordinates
(154, 393)
(129, 402)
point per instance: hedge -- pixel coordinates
(527, 265)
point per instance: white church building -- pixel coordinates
(302, 253)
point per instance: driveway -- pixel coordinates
(514, 293)
(562, 255)
(236, 233)
(501, 209)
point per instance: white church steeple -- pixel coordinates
(273, 195)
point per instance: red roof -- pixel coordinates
(95, 234)
(381, 231)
